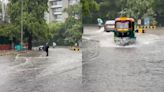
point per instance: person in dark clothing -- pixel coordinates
(46, 48)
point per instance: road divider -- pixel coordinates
(147, 27)
(75, 48)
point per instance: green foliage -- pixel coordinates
(110, 9)
(89, 6)
(159, 10)
(57, 31)
(73, 24)
(159, 7)
(33, 17)
(137, 8)
(73, 10)
(69, 32)
(54, 28)
(73, 31)
(9, 30)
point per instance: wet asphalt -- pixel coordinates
(111, 68)
(101, 67)
(60, 72)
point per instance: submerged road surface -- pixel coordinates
(60, 72)
(111, 68)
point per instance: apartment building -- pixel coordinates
(56, 8)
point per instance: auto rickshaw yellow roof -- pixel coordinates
(123, 19)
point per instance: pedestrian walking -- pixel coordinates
(46, 48)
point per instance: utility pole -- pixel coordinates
(21, 22)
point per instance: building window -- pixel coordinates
(57, 2)
(58, 16)
(57, 9)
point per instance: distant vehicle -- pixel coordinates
(109, 25)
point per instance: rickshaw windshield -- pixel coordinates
(122, 24)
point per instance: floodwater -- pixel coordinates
(61, 71)
(108, 67)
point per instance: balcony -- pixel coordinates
(57, 13)
(51, 0)
(56, 6)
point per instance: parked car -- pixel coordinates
(109, 25)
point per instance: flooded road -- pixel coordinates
(60, 72)
(111, 68)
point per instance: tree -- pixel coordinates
(34, 23)
(69, 32)
(159, 7)
(89, 6)
(159, 10)
(137, 8)
(107, 9)
(73, 24)
(110, 9)
(9, 32)
(57, 30)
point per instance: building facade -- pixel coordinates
(56, 10)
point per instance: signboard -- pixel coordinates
(147, 21)
(139, 22)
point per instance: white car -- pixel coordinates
(109, 25)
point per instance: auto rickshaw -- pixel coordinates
(124, 32)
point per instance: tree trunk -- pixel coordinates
(30, 41)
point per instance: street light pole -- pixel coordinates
(21, 22)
